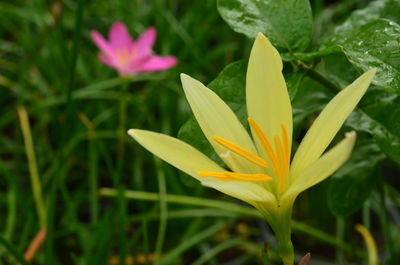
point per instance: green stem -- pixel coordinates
(319, 77)
(122, 225)
(145, 241)
(93, 178)
(286, 250)
(33, 169)
(11, 202)
(366, 215)
(281, 223)
(163, 209)
(122, 126)
(340, 231)
(384, 221)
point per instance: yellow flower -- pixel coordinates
(260, 172)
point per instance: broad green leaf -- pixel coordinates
(389, 9)
(378, 112)
(311, 98)
(287, 23)
(375, 45)
(381, 120)
(354, 182)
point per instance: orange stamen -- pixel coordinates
(241, 151)
(280, 157)
(218, 175)
(265, 143)
(285, 144)
(227, 175)
(282, 164)
(249, 177)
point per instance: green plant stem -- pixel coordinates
(226, 206)
(384, 222)
(93, 178)
(319, 77)
(33, 169)
(145, 241)
(366, 215)
(122, 126)
(11, 203)
(163, 209)
(340, 231)
(122, 225)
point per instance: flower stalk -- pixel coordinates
(122, 114)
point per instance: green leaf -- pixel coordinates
(375, 45)
(378, 112)
(389, 9)
(311, 98)
(354, 182)
(287, 23)
(380, 118)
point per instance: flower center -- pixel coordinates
(125, 55)
(279, 157)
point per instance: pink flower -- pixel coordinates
(129, 56)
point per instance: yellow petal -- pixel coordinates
(328, 123)
(191, 161)
(175, 152)
(217, 119)
(245, 191)
(268, 101)
(326, 165)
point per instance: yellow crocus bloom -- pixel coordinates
(259, 170)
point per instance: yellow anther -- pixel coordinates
(227, 175)
(241, 151)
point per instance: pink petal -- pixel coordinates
(146, 41)
(157, 63)
(102, 44)
(119, 36)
